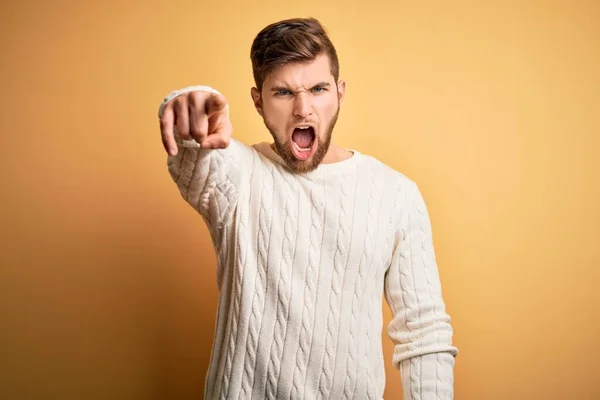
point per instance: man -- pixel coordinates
(308, 236)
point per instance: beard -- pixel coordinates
(283, 148)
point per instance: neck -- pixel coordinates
(336, 154)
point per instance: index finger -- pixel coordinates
(215, 103)
(166, 131)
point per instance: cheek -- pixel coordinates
(275, 120)
(328, 107)
(277, 114)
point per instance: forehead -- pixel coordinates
(301, 74)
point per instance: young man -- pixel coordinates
(309, 236)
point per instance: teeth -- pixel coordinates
(300, 149)
(296, 146)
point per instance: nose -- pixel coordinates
(302, 105)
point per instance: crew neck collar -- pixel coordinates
(340, 167)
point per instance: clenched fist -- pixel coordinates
(198, 115)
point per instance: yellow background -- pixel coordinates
(107, 285)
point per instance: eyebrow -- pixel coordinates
(277, 88)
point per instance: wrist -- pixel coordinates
(184, 90)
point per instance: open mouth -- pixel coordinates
(303, 142)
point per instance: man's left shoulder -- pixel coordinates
(391, 175)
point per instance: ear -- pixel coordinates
(257, 100)
(341, 89)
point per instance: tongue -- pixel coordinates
(303, 137)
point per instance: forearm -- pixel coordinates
(424, 352)
(207, 179)
(430, 376)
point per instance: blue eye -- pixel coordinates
(318, 89)
(282, 92)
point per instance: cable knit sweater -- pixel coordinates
(303, 264)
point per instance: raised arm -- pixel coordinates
(203, 160)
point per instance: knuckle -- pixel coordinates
(196, 99)
(183, 131)
(195, 132)
(182, 107)
(179, 102)
(217, 102)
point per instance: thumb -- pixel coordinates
(220, 141)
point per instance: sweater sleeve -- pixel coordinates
(209, 180)
(420, 328)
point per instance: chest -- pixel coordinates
(342, 221)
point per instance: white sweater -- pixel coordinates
(303, 264)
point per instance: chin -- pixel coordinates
(303, 149)
(300, 160)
